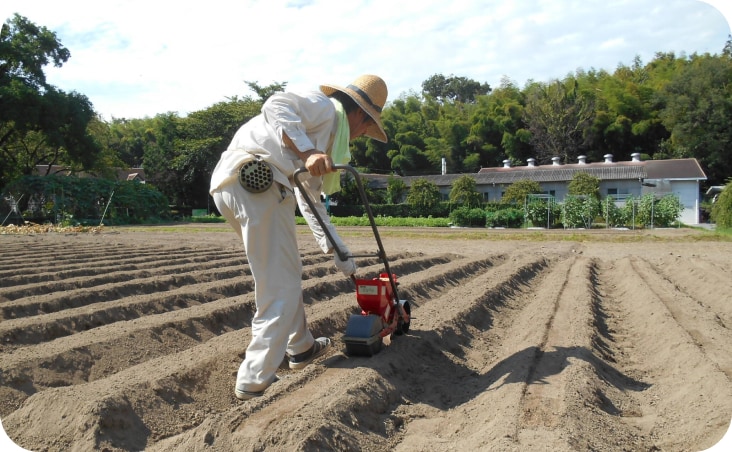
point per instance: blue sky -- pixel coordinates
(140, 58)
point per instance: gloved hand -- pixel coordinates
(348, 266)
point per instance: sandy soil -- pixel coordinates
(130, 339)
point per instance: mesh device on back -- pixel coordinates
(256, 175)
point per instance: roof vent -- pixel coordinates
(582, 159)
(555, 161)
(532, 162)
(635, 156)
(608, 158)
(507, 163)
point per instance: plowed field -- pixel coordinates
(130, 339)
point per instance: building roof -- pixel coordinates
(678, 169)
(688, 169)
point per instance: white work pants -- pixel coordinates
(266, 224)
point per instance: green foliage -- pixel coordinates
(415, 222)
(518, 191)
(667, 210)
(349, 194)
(579, 211)
(423, 195)
(584, 184)
(651, 211)
(722, 208)
(395, 190)
(510, 217)
(468, 217)
(39, 124)
(612, 214)
(698, 113)
(542, 212)
(465, 193)
(64, 199)
(670, 107)
(454, 89)
(558, 116)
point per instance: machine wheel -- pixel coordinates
(402, 326)
(363, 335)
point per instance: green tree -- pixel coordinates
(453, 89)
(39, 124)
(465, 193)
(699, 114)
(558, 115)
(722, 207)
(395, 189)
(584, 184)
(518, 191)
(580, 211)
(423, 195)
(265, 92)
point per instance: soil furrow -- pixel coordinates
(321, 324)
(685, 387)
(698, 321)
(63, 271)
(368, 395)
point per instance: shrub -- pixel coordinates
(69, 200)
(507, 218)
(667, 210)
(612, 214)
(722, 207)
(579, 211)
(465, 216)
(542, 212)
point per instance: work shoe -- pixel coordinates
(246, 395)
(301, 360)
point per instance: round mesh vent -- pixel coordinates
(256, 176)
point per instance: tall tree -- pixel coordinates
(699, 114)
(558, 116)
(454, 89)
(39, 124)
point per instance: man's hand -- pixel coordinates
(348, 266)
(318, 163)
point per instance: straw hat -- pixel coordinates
(369, 92)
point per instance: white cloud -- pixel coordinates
(139, 58)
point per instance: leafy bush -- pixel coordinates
(71, 200)
(650, 211)
(667, 210)
(543, 213)
(579, 211)
(465, 216)
(385, 221)
(517, 192)
(612, 214)
(511, 217)
(722, 207)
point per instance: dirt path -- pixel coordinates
(130, 339)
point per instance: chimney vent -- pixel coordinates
(532, 162)
(555, 161)
(608, 158)
(507, 163)
(582, 159)
(635, 156)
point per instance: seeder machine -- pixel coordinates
(382, 314)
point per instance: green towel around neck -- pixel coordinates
(340, 152)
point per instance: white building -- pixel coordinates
(681, 177)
